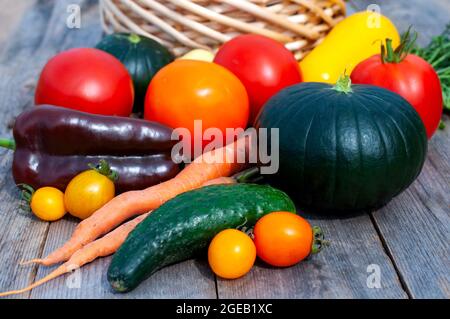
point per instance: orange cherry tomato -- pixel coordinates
(283, 239)
(188, 90)
(231, 254)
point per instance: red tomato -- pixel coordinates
(188, 90)
(87, 80)
(283, 239)
(263, 65)
(413, 78)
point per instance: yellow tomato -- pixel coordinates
(47, 203)
(231, 254)
(199, 54)
(351, 41)
(87, 192)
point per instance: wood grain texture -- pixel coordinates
(11, 12)
(23, 237)
(339, 271)
(191, 279)
(404, 224)
(408, 239)
(416, 225)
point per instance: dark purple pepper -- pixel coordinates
(54, 144)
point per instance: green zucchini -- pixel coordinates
(185, 225)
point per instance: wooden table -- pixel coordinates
(407, 241)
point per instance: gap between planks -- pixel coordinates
(34, 272)
(378, 231)
(388, 253)
(401, 15)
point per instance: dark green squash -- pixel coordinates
(345, 148)
(143, 58)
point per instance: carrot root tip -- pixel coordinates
(29, 262)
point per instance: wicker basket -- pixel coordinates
(186, 24)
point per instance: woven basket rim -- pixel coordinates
(187, 24)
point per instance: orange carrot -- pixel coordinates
(109, 244)
(214, 164)
(102, 247)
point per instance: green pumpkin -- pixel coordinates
(345, 148)
(143, 58)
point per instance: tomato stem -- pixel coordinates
(8, 143)
(250, 175)
(103, 168)
(319, 241)
(407, 42)
(26, 194)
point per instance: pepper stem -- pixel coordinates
(319, 241)
(8, 143)
(343, 84)
(103, 168)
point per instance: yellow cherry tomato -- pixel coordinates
(199, 55)
(87, 192)
(231, 254)
(47, 203)
(351, 41)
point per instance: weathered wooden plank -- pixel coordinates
(439, 150)
(20, 66)
(191, 279)
(339, 271)
(416, 226)
(21, 236)
(345, 276)
(427, 17)
(10, 15)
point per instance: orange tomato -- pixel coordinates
(283, 239)
(188, 90)
(231, 254)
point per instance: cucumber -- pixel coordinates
(184, 226)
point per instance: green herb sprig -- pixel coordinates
(437, 53)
